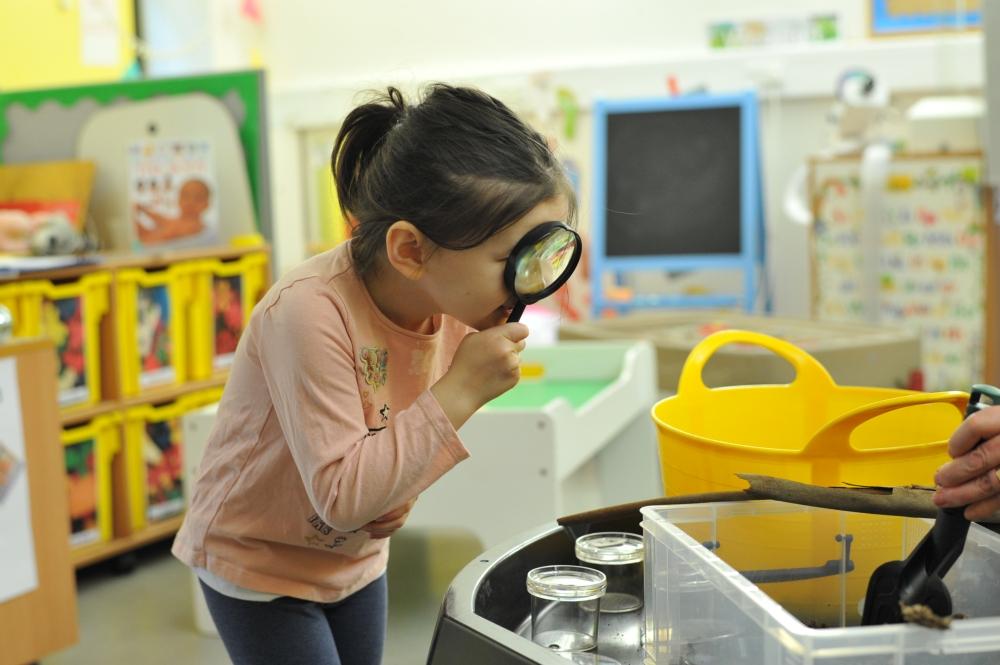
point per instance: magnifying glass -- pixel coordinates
(540, 263)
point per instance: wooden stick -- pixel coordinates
(912, 501)
(621, 510)
(901, 501)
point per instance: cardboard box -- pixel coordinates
(853, 354)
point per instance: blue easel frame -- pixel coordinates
(750, 259)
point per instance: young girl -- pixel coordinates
(356, 370)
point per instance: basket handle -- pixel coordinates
(834, 439)
(809, 373)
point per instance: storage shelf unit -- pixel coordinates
(113, 401)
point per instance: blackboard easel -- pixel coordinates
(677, 188)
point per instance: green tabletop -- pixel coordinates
(536, 393)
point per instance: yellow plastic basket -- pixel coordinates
(154, 451)
(152, 311)
(88, 452)
(70, 314)
(810, 430)
(225, 293)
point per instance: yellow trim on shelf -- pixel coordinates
(105, 433)
(135, 419)
(128, 283)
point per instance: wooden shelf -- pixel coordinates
(168, 393)
(114, 261)
(74, 416)
(92, 554)
(111, 385)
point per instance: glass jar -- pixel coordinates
(619, 556)
(565, 606)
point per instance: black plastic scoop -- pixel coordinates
(918, 579)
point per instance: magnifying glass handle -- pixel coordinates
(515, 314)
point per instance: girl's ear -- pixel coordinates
(407, 249)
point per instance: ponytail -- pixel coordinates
(363, 132)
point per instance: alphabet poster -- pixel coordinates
(932, 248)
(18, 574)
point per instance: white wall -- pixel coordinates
(319, 54)
(344, 43)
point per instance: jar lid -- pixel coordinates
(566, 583)
(610, 547)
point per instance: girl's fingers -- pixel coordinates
(388, 517)
(383, 529)
(385, 526)
(515, 332)
(396, 514)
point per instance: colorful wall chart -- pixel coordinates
(931, 266)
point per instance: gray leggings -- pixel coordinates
(289, 631)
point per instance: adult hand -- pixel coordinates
(973, 477)
(385, 526)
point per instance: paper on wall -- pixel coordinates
(100, 33)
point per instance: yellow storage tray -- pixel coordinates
(154, 451)
(151, 319)
(88, 452)
(225, 293)
(70, 314)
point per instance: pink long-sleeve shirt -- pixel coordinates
(326, 424)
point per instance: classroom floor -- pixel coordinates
(146, 616)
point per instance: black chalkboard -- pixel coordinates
(673, 182)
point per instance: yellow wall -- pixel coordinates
(41, 44)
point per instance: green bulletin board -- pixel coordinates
(247, 85)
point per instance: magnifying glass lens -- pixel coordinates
(541, 264)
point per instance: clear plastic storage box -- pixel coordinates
(702, 607)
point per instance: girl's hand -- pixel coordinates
(973, 477)
(486, 364)
(385, 526)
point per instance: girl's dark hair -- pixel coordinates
(459, 166)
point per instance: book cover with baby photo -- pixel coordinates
(173, 194)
